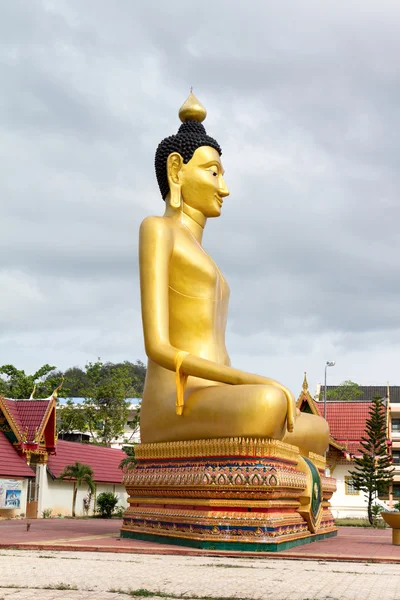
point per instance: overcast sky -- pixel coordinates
(304, 99)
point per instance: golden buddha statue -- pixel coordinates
(191, 390)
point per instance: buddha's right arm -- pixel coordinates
(156, 242)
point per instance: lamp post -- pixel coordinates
(329, 363)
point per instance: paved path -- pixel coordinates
(33, 575)
(351, 543)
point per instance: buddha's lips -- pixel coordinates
(219, 199)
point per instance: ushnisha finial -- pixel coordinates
(192, 110)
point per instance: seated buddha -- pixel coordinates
(191, 391)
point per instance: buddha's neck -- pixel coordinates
(193, 219)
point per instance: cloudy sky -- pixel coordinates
(304, 98)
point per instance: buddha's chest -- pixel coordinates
(193, 272)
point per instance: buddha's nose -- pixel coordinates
(223, 190)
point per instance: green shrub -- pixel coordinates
(47, 513)
(106, 503)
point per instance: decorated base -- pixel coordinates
(232, 493)
(277, 546)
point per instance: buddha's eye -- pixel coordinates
(215, 173)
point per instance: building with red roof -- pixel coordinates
(347, 424)
(103, 461)
(32, 459)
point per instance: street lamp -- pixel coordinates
(329, 363)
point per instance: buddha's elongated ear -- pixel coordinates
(174, 165)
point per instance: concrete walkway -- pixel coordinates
(351, 544)
(49, 575)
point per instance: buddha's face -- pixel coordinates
(202, 183)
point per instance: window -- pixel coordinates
(396, 425)
(349, 487)
(396, 491)
(396, 457)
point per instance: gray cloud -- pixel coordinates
(304, 101)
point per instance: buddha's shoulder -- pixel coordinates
(155, 225)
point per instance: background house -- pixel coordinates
(57, 494)
(128, 438)
(31, 459)
(346, 424)
(347, 421)
(15, 476)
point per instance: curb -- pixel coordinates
(193, 552)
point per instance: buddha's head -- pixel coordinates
(188, 164)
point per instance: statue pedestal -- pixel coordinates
(229, 494)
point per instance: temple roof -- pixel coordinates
(27, 418)
(103, 461)
(12, 464)
(347, 421)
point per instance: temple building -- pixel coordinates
(32, 458)
(347, 422)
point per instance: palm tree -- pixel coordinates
(80, 474)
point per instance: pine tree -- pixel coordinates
(373, 473)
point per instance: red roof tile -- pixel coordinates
(28, 415)
(31, 414)
(104, 461)
(12, 408)
(347, 422)
(11, 463)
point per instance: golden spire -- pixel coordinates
(33, 392)
(305, 382)
(192, 110)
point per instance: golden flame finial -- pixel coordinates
(192, 109)
(33, 392)
(55, 393)
(305, 382)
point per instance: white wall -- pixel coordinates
(344, 505)
(57, 495)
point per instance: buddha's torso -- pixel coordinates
(198, 297)
(198, 300)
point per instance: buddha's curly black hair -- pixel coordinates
(191, 135)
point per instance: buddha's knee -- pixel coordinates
(272, 411)
(311, 434)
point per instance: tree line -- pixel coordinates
(104, 387)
